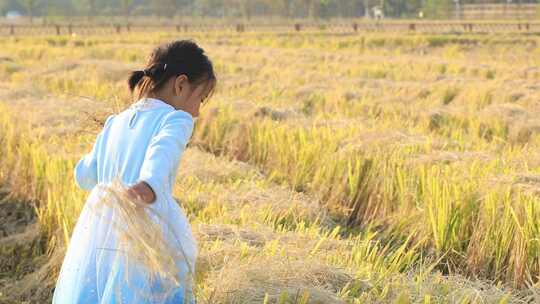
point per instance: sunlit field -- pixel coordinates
(327, 168)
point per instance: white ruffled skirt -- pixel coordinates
(97, 270)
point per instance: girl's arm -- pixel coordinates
(85, 171)
(141, 192)
(164, 152)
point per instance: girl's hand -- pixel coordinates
(141, 192)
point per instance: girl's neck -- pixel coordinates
(159, 97)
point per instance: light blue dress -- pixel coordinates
(142, 143)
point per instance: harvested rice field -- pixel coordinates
(327, 168)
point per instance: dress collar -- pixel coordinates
(147, 103)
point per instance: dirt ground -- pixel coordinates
(23, 260)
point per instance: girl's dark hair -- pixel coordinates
(170, 60)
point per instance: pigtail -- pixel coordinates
(134, 79)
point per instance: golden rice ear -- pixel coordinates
(142, 243)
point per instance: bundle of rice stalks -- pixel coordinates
(140, 238)
(262, 279)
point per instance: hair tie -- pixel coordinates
(146, 72)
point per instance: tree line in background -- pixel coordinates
(238, 8)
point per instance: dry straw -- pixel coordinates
(141, 241)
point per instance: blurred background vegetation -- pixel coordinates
(246, 8)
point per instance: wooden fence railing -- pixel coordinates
(383, 26)
(523, 11)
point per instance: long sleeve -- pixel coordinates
(164, 152)
(85, 171)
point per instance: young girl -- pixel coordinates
(142, 146)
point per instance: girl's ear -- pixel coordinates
(179, 84)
